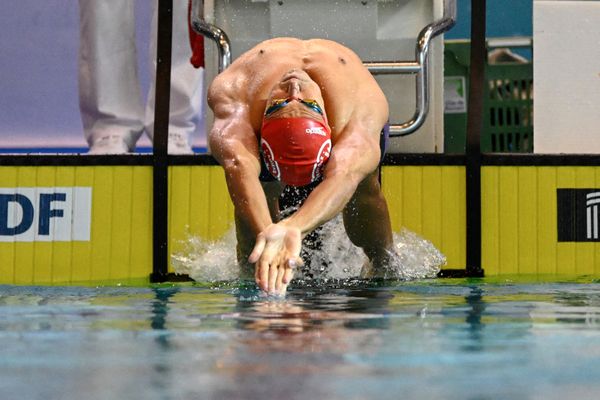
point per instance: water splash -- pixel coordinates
(335, 257)
(207, 261)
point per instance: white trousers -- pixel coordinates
(109, 88)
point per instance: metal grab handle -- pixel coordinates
(420, 67)
(213, 32)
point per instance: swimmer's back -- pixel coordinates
(255, 71)
(336, 68)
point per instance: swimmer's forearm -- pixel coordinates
(241, 174)
(234, 146)
(326, 201)
(248, 198)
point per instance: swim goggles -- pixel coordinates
(278, 104)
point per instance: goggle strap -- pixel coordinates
(312, 104)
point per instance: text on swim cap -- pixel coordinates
(318, 130)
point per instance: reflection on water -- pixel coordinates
(439, 339)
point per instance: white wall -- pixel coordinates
(566, 76)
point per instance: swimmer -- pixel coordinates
(300, 112)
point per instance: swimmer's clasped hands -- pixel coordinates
(276, 254)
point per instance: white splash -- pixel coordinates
(337, 258)
(207, 261)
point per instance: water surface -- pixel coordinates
(430, 339)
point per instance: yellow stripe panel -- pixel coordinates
(24, 255)
(546, 233)
(519, 221)
(120, 247)
(430, 201)
(200, 206)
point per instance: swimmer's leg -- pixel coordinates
(245, 244)
(367, 223)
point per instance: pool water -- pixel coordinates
(427, 339)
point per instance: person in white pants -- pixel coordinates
(112, 111)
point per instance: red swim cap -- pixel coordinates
(295, 150)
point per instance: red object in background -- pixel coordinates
(196, 43)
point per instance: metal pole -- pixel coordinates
(160, 255)
(426, 35)
(474, 127)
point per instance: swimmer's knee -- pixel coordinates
(369, 185)
(367, 193)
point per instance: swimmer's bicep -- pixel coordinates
(233, 144)
(231, 121)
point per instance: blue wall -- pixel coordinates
(504, 18)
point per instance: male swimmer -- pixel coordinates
(300, 112)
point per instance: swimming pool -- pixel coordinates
(428, 339)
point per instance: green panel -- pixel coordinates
(508, 108)
(507, 103)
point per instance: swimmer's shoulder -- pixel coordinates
(328, 44)
(330, 50)
(226, 88)
(271, 45)
(280, 43)
(290, 46)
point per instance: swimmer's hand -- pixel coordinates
(276, 254)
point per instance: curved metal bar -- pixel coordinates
(420, 67)
(422, 79)
(213, 32)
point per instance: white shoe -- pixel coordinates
(178, 144)
(109, 145)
